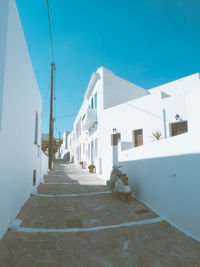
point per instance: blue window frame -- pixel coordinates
(92, 103)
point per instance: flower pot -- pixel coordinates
(91, 170)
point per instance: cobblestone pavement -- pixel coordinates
(155, 244)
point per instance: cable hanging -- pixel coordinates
(50, 32)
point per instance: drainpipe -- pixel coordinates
(164, 123)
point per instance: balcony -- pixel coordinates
(89, 119)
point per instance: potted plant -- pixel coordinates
(157, 135)
(91, 168)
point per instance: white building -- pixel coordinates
(65, 148)
(115, 125)
(104, 91)
(22, 163)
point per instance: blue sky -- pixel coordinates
(147, 42)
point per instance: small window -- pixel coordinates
(95, 100)
(36, 129)
(83, 117)
(92, 103)
(138, 137)
(34, 177)
(179, 128)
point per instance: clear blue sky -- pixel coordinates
(147, 42)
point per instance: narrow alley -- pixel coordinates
(73, 220)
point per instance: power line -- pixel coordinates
(66, 116)
(50, 31)
(63, 87)
(43, 67)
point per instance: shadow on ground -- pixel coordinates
(157, 244)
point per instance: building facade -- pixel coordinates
(65, 147)
(153, 135)
(22, 164)
(117, 111)
(104, 92)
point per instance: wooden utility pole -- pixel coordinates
(59, 146)
(51, 120)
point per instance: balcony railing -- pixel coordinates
(89, 120)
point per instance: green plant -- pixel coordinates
(56, 144)
(157, 135)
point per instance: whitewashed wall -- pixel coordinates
(44, 165)
(111, 90)
(3, 27)
(93, 134)
(165, 174)
(19, 156)
(117, 90)
(146, 113)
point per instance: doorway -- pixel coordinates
(115, 140)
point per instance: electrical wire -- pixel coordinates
(43, 67)
(66, 116)
(50, 31)
(47, 94)
(63, 87)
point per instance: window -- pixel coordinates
(179, 128)
(138, 137)
(95, 100)
(36, 129)
(92, 103)
(34, 177)
(83, 117)
(115, 139)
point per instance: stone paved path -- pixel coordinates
(157, 244)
